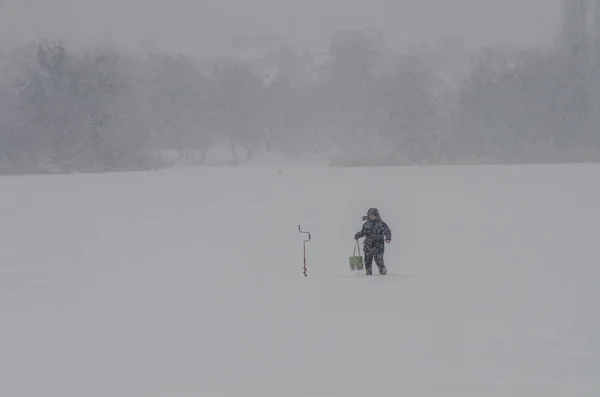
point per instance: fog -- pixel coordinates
(204, 27)
(116, 85)
(116, 280)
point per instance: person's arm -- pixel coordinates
(361, 233)
(387, 232)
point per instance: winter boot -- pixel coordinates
(382, 270)
(369, 271)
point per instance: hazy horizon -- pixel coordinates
(205, 28)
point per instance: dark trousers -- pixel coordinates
(374, 252)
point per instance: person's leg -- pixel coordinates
(378, 256)
(368, 251)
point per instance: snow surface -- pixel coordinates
(188, 282)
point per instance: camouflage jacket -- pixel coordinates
(374, 231)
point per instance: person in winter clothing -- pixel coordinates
(376, 233)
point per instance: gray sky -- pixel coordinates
(204, 27)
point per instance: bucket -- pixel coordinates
(356, 261)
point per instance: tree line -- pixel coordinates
(100, 109)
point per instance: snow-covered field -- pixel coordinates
(188, 282)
